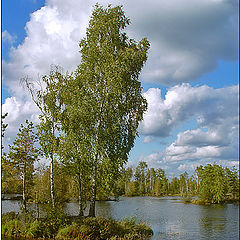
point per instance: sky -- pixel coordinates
(190, 80)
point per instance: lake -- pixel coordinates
(168, 217)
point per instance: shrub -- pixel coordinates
(102, 229)
(12, 228)
(34, 230)
(56, 223)
(55, 219)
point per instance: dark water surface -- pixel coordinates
(167, 216)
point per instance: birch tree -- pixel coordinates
(100, 105)
(45, 97)
(109, 92)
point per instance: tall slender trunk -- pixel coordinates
(24, 186)
(94, 191)
(52, 182)
(51, 169)
(37, 206)
(94, 178)
(80, 198)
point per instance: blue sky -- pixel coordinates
(190, 80)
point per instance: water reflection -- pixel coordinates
(168, 217)
(217, 220)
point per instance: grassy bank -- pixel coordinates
(202, 202)
(57, 226)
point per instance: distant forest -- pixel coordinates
(211, 184)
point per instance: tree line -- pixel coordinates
(211, 183)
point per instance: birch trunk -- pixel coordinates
(80, 197)
(94, 190)
(24, 186)
(52, 182)
(51, 169)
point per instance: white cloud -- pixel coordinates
(53, 34)
(18, 112)
(188, 38)
(148, 139)
(189, 167)
(212, 108)
(7, 37)
(215, 110)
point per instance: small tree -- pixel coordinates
(46, 100)
(23, 154)
(213, 183)
(233, 182)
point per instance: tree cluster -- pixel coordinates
(89, 118)
(210, 183)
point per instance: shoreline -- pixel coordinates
(186, 200)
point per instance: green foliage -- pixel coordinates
(24, 225)
(3, 126)
(174, 186)
(100, 109)
(20, 226)
(233, 183)
(23, 153)
(140, 178)
(62, 184)
(11, 184)
(215, 183)
(56, 226)
(18, 165)
(108, 92)
(54, 220)
(12, 228)
(33, 230)
(100, 228)
(212, 183)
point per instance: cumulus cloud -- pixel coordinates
(190, 167)
(216, 112)
(8, 38)
(211, 107)
(53, 34)
(186, 41)
(188, 37)
(18, 112)
(187, 167)
(148, 139)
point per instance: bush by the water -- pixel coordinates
(21, 226)
(60, 227)
(101, 229)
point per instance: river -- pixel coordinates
(168, 217)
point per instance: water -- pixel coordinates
(167, 216)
